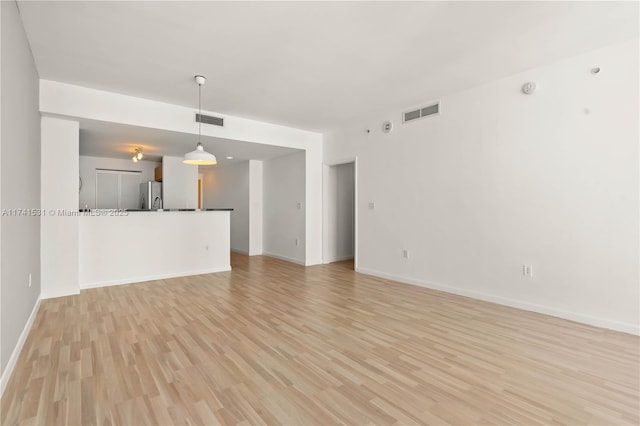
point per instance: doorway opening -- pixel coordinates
(200, 190)
(341, 214)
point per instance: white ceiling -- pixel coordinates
(310, 65)
(101, 139)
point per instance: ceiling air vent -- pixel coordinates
(421, 112)
(209, 119)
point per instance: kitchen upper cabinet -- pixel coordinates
(117, 189)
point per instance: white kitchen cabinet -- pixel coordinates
(117, 189)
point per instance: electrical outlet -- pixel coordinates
(527, 270)
(299, 206)
(405, 253)
(29, 280)
(297, 242)
(372, 206)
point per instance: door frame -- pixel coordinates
(325, 203)
(201, 190)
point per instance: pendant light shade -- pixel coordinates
(199, 156)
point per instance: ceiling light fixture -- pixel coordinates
(229, 158)
(138, 155)
(199, 156)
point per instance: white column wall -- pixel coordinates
(256, 209)
(313, 204)
(284, 208)
(59, 196)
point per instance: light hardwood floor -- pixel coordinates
(277, 343)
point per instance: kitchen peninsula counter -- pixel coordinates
(135, 246)
(156, 210)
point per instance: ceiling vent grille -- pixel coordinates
(209, 119)
(421, 112)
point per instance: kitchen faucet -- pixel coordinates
(154, 203)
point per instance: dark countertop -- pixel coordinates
(164, 210)
(180, 210)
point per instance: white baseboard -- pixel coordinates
(527, 306)
(153, 277)
(311, 261)
(338, 259)
(240, 251)
(285, 258)
(6, 374)
(59, 294)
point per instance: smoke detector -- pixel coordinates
(529, 87)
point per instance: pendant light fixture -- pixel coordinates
(199, 156)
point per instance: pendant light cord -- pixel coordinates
(199, 112)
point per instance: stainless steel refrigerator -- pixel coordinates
(151, 195)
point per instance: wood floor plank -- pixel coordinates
(276, 343)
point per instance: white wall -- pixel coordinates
(144, 246)
(228, 187)
(313, 203)
(284, 206)
(81, 102)
(20, 187)
(256, 202)
(88, 166)
(340, 210)
(501, 179)
(59, 199)
(179, 184)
